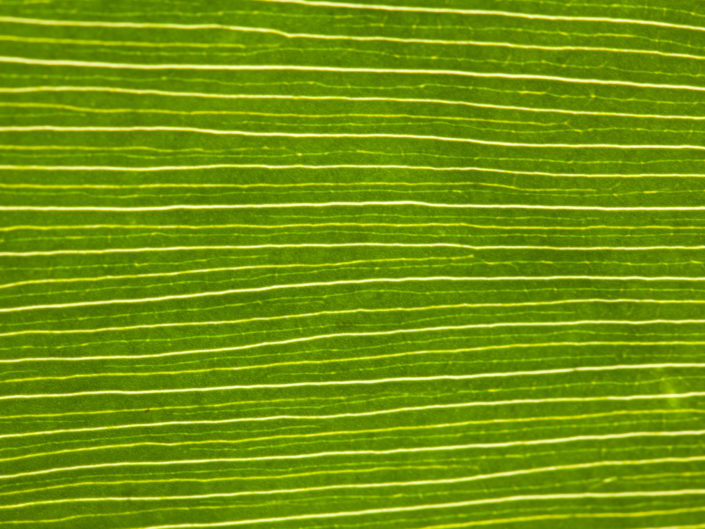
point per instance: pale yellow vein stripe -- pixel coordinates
(483, 12)
(316, 284)
(545, 518)
(359, 245)
(416, 483)
(300, 265)
(687, 526)
(384, 167)
(404, 225)
(391, 380)
(413, 508)
(360, 382)
(346, 135)
(341, 204)
(329, 433)
(353, 99)
(122, 411)
(266, 266)
(122, 328)
(313, 36)
(672, 397)
(333, 453)
(365, 334)
(338, 69)
(325, 336)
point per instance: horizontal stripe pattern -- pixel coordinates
(311, 264)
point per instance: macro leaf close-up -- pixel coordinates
(377, 264)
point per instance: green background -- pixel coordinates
(281, 263)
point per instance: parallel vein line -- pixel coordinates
(340, 69)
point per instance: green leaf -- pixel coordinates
(316, 264)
